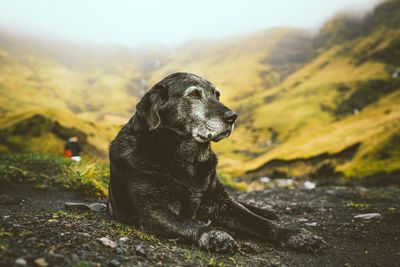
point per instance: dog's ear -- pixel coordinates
(149, 106)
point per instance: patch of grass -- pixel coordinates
(353, 204)
(228, 181)
(201, 258)
(77, 216)
(121, 229)
(44, 171)
(4, 233)
(4, 245)
(82, 264)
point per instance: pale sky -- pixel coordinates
(167, 22)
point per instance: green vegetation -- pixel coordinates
(46, 130)
(366, 93)
(299, 97)
(331, 103)
(44, 171)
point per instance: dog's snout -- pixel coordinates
(230, 116)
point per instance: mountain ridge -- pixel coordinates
(298, 95)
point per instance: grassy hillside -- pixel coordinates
(244, 65)
(347, 95)
(320, 106)
(84, 90)
(33, 81)
(98, 83)
(45, 130)
(301, 97)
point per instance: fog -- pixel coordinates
(165, 22)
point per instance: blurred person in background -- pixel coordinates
(73, 148)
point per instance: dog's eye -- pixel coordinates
(195, 94)
(217, 94)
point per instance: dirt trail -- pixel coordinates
(35, 231)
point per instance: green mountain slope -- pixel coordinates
(91, 89)
(347, 95)
(244, 65)
(321, 106)
(45, 130)
(90, 81)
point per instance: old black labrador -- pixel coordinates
(163, 172)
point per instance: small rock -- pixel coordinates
(123, 239)
(140, 250)
(265, 179)
(303, 220)
(98, 207)
(20, 262)
(114, 263)
(368, 216)
(95, 207)
(41, 262)
(284, 182)
(6, 216)
(311, 224)
(310, 185)
(75, 257)
(107, 242)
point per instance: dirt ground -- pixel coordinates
(35, 230)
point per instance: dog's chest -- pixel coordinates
(193, 181)
(193, 196)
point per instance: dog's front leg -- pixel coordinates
(227, 213)
(160, 221)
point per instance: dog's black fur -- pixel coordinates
(163, 171)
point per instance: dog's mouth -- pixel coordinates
(212, 137)
(201, 139)
(221, 135)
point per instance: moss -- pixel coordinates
(44, 171)
(353, 204)
(4, 233)
(72, 215)
(25, 233)
(213, 261)
(82, 264)
(4, 245)
(202, 258)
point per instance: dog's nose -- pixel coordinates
(230, 116)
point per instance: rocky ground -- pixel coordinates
(36, 230)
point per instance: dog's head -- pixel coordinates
(188, 104)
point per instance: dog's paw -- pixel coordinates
(302, 239)
(217, 241)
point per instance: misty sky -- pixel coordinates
(168, 22)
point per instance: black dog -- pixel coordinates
(163, 171)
